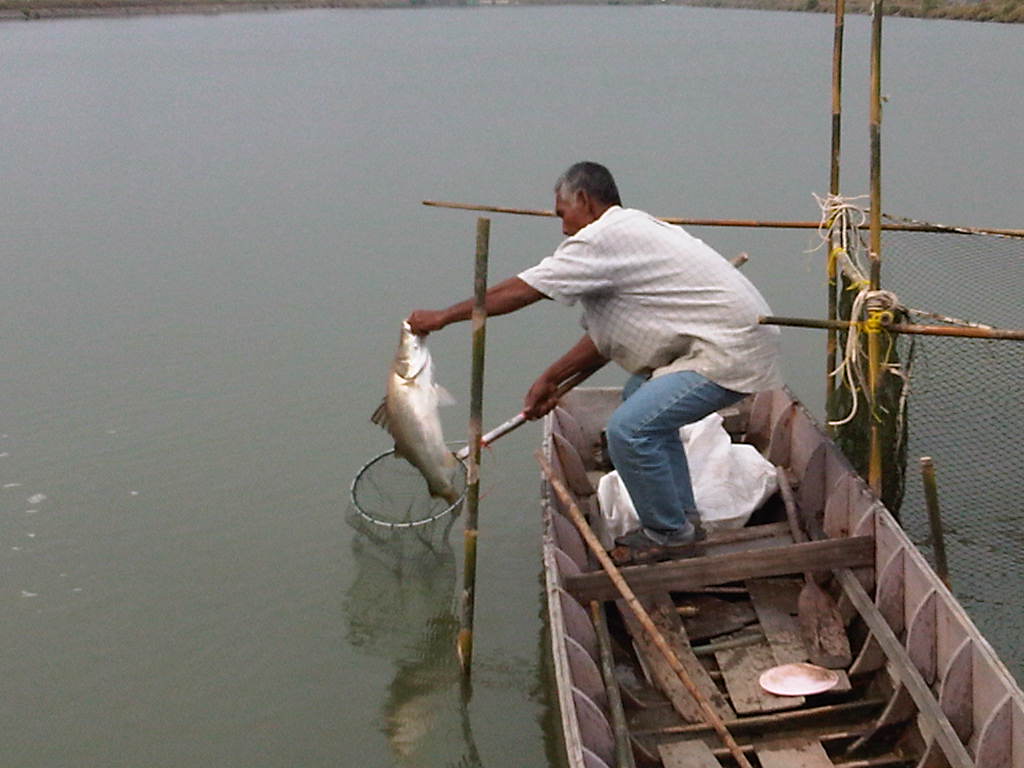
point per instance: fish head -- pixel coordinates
(412, 355)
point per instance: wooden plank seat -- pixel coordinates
(681, 575)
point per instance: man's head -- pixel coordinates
(582, 194)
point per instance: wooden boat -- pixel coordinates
(921, 688)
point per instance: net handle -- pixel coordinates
(519, 419)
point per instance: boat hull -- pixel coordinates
(921, 688)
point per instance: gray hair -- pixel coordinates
(592, 178)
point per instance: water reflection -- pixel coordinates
(400, 607)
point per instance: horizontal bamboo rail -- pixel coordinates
(766, 224)
(923, 330)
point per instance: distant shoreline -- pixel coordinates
(33, 10)
(1004, 11)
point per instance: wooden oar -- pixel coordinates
(821, 625)
(642, 616)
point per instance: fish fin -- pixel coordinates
(380, 416)
(444, 397)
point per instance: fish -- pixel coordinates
(410, 413)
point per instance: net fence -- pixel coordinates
(966, 411)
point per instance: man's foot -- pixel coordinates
(694, 520)
(647, 546)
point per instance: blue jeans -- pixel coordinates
(645, 447)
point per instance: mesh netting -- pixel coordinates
(965, 411)
(390, 492)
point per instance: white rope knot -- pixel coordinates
(883, 309)
(839, 232)
(882, 301)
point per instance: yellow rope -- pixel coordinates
(877, 320)
(833, 258)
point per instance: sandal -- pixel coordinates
(640, 547)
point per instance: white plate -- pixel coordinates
(798, 679)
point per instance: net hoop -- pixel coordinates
(436, 508)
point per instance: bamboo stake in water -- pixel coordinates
(832, 344)
(837, 94)
(931, 497)
(875, 250)
(642, 616)
(464, 644)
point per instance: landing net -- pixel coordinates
(391, 493)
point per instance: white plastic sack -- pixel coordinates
(730, 481)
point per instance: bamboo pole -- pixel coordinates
(642, 616)
(741, 641)
(837, 94)
(875, 243)
(832, 344)
(620, 729)
(921, 330)
(464, 645)
(931, 497)
(875, 214)
(763, 223)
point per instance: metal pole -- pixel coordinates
(464, 645)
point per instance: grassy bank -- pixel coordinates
(1007, 11)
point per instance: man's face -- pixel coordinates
(575, 212)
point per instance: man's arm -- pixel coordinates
(502, 298)
(582, 357)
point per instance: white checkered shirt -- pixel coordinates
(656, 300)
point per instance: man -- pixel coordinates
(668, 309)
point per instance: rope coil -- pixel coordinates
(870, 311)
